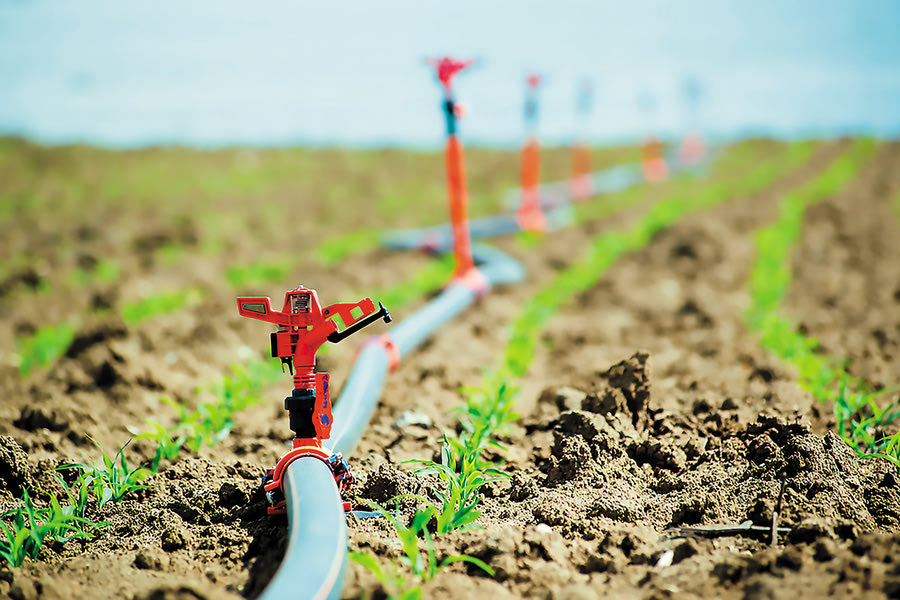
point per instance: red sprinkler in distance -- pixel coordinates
(446, 69)
(530, 217)
(653, 164)
(303, 326)
(582, 187)
(692, 148)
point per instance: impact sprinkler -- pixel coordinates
(303, 326)
(653, 164)
(691, 150)
(446, 69)
(582, 187)
(530, 216)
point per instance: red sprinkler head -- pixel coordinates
(447, 67)
(533, 80)
(303, 327)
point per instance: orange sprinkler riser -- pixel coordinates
(581, 172)
(459, 207)
(446, 69)
(653, 164)
(530, 217)
(692, 149)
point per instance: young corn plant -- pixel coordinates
(861, 421)
(258, 273)
(168, 441)
(78, 494)
(402, 580)
(487, 413)
(159, 304)
(43, 347)
(212, 420)
(113, 479)
(334, 250)
(464, 477)
(29, 528)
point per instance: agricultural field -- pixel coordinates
(694, 393)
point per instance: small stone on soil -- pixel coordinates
(151, 559)
(411, 417)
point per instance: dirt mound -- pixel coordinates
(606, 497)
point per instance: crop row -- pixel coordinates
(860, 418)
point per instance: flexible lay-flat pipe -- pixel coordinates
(440, 237)
(553, 195)
(607, 181)
(316, 554)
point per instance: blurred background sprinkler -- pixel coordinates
(446, 69)
(653, 163)
(530, 217)
(692, 147)
(582, 186)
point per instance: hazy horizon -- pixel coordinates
(216, 74)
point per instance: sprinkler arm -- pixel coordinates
(303, 326)
(337, 336)
(446, 69)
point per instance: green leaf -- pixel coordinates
(469, 559)
(371, 564)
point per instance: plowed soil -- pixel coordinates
(649, 413)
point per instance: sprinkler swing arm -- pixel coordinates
(303, 327)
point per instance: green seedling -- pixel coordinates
(31, 527)
(169, 442)
(114, 479)
(43, 347)
(170, 254)
(258, 273)
(334, 250)
(861, 422)
(159, 304)
(487, 413)
(403, 580)
(105, 271)
(457, 507)
(212, 420)
(79, 492)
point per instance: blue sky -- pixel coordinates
(211, 73)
